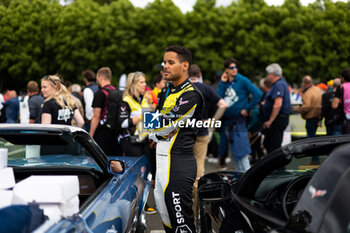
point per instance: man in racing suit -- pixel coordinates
(179, 104)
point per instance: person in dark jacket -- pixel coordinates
(342, 98)
(276, 108)
(333, 118)
(35, 101)
(12, 107)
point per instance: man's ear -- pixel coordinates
(186, 65)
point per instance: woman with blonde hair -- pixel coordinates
(59, 106)
(132, 138)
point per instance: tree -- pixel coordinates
(25, 47)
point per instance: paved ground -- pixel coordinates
(154, 224)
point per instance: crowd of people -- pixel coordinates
(179, 93)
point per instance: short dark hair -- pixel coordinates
(229, 61)
(32, 86)
(182, 53)
(105, 72)
(267, 83)
(308, 80)
(89, 75)
(345, 74)
(67, 83)
(194, 71)
(157, 78)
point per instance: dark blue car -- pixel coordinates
(111, 199)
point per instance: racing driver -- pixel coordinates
(179, 103)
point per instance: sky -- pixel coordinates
(186, 5)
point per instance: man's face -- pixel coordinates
(29, 93)
(303, 85)
(161, 84)
(231, 71)
(98, 80)
(271, 77)
(162, 73)
(173, 68)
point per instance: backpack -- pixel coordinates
(110, 113)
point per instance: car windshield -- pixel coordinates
(292, 177)
(306, 163)
(37, 148)
(301, 165)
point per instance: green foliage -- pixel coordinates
(5, 3)
(39, 37)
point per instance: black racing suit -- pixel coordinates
(176, 164)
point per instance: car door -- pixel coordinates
(324, 205)
(337, 217)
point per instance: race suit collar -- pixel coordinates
(180, 86)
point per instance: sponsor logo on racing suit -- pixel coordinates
(179, 216)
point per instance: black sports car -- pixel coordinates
(282, 193)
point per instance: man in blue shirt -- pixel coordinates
(235, 89)
(12, 107)
(276, 108)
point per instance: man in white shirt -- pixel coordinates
(88, 95)
(2, 100)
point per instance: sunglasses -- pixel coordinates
(48, 77)
(233, 67)
(137, 74)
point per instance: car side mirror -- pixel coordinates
(116, 167)
(214, 192)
